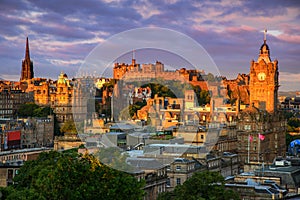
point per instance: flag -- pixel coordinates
(250, 138)
(261, 137)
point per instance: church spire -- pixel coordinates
(27, 65)
(27, 55)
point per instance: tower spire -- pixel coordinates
(27, 65)
(27, 55)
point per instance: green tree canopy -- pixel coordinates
(204, 97)
(162, 90)
(129, 111)
(115, 158)
(68, 175)
(33, 110)
(201, 186)
(69, 127)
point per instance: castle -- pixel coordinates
(150, 71)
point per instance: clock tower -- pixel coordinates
(264, 80)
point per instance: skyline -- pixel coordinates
(61, 37)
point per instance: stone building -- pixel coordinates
(26, 133)
(261, 136)
(180, 170)
(68, 141)
(238, 89)
(56, 94)
(42, 88)
(37, 132)
(62, 99)
(11, 100)
(291, 104)
(153, 172)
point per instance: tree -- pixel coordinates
(26, 110)
(287, 115)
(33, 110)
(289, 138)
(42, 112)
(129, 111)
(201, 186)
(162, 90)
(204, 97)
(69, 127)
(294, 122)
(69, 175)
(209, 77)
(115, 158)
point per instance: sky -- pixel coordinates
(63, 33)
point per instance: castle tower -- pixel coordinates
(27, 65)
(264, 80)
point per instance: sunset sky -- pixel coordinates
(63, 33)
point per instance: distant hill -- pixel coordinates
(287, 93)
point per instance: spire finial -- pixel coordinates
(133, 57)
(133, 54)
(265, 36)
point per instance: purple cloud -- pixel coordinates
(62, 33)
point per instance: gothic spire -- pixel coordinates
(27, 65)
(27, 55)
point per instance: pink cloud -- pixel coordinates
(290, 38)
(238, 29)
(290, 33)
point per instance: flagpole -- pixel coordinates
(258, 147)
(248, 148)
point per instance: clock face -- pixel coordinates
(261, 76)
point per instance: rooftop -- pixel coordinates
(2, 153)
(144, 163)
(273, 168)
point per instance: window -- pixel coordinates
(10, 174)
(178, 181)
(168, 182)
(247, 127)
(178, 167)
